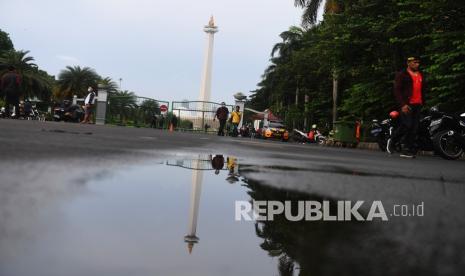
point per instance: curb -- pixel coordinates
(374, 146)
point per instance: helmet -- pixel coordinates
(394, 114)
(313, 126)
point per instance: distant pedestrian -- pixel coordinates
(153, 121)
(174, 121)
(11, 87)
(27, 108)
(222, 114)
(89, 103)
(235, 119)
(409, 91)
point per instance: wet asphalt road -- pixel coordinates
(431, 245)
(30, 141)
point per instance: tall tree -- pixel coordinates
(35, 82)
(309, 18)
(311, 8)
(122, 103)
(110, 85)
(5, 42)
(291, 41)
(75, 80)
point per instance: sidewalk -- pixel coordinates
(374, 146)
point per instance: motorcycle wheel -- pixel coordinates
(447, 146)
(321, 141)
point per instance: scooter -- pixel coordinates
(382, 131)
(315, 136)
(448, 132)
(391, 127)
(299, 136)
(68, 112)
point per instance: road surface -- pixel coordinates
(35, 156)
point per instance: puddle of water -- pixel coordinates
(177, 217)
(163, 219)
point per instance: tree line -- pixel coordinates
(72, 80)
(343, 67)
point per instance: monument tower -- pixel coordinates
(205, 88)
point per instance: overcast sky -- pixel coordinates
(155, 46)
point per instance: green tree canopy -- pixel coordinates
(5, 42)
(75, 80)
(35, 82)
(110, 85)
(365, 42)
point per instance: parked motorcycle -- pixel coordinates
(383, 131)
(387, 128)
(315, 136)
(244, 131)
(448, 132)
(68, 112)
(31, 112)
(299, 136)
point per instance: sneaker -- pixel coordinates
(407, 154)
(389, 146)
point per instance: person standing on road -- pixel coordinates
(153, 121)
(236, 116)
(409, 91)
(89, 103)
(10, 86)
(222, 114)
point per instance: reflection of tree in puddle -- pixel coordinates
(309, 247)
(337, 248)
(312, 247)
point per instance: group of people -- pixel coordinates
(231, 162)
(222, 113)
(10, 87)
(409, 87)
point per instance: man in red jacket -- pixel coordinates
(409, 91)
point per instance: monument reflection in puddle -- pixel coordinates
(198, 166)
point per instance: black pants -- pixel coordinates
(11, 101)
(221, 129)
(408, 128)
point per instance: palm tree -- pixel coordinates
(75, 80)
(311, 7)
(122, 103)
(291, 41)
(110, 85)
(148, 108)
(309, 18)
(35, 82)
